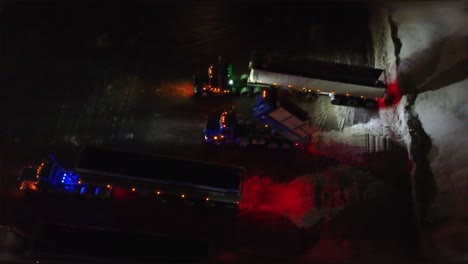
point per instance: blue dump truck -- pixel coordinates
(276, 123)
(103, 173)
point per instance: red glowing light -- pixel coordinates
(393, 94)
(291, 199)
(120, 194)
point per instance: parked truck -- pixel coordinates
(102, 173)
(345, 84)
(275, 123)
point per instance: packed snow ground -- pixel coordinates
(431, 60)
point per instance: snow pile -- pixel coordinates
(390, 123)
(433, 37)
(309, 198)
(381, 133)
(384, 49)
(433, 52)
(443, 115)
(423, 47)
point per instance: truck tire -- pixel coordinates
(243, 142)
(352, 102)
(369, 103)
(335, 100)
(272, 145)
(312, 96)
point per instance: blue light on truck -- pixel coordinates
(70, 178)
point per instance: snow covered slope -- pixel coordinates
(424, 47)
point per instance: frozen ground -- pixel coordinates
(424, 48)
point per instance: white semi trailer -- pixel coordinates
(344, 84)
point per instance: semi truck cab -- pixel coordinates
(222, 129)
(50, 176)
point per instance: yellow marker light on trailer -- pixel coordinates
(183, 196)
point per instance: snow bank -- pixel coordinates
(423, 46)
(433, 36)
(433, 56)
(312, 197)
(443, 115)
(390, 123)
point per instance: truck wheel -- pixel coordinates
(335, 101)
(312, 96)
(244, 143)
(370, 103)
(272, 145)
(352, 102)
